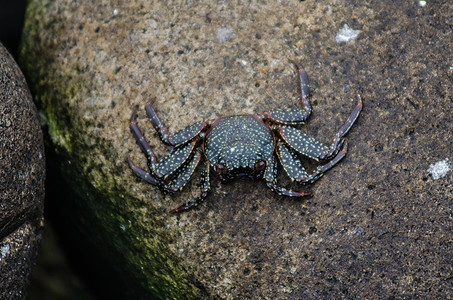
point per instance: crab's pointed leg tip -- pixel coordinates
(345, 145)
(173, 211)
(129, 161)
(150, 101)
(134, 116)
(298, 66)
(359, 100)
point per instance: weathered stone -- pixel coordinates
(22, 174)
(377, 226)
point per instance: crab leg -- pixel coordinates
(157, 124)
(323, 168)
(294, 116)
(205, 188)
(182, 175)
(177, 182)
(270, 175)
(302, 143)
(167, 166)
(309, 147)
(180, 137)
(169, 163)
(337, 138)
(146, 149)
(174, 160)
(291, 164)
(304, 89)
(296, 172)
(143, 174)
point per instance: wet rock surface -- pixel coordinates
(378, 224)
(22, 174)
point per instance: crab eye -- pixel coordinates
(221, 169)
(260, 165)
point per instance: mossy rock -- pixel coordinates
(376, 221)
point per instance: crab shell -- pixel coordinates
(239, 146)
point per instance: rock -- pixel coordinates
(53, 277)
(22, 175)
(378, 224)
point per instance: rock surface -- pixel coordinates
(378, 225)
(22, 175)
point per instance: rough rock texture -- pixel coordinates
(22, 174)
(378, 225)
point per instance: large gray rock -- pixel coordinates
(22, 175)
(378, 224)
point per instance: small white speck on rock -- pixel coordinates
(439, 169)
(346, 34)
(4, 250)
(224, 33)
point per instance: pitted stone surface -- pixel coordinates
(22, 174)
(378, 224)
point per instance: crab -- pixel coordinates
(242, 145)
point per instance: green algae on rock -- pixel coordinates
(378, 225)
